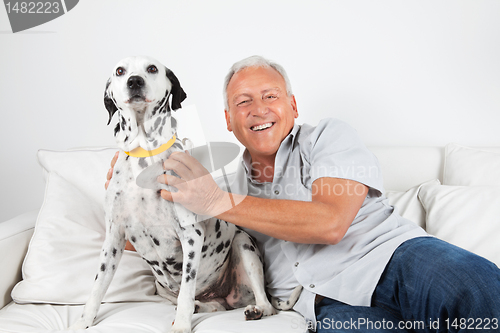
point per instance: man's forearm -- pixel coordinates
(296, 221)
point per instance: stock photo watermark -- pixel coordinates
(24, 15)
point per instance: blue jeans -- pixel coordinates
(428, 286)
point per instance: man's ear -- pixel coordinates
(109, 101)
(228, 120)
(178, 94)
(294, 106)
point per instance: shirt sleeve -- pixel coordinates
(334, 149)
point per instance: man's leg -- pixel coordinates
(444, 286)
(335, 316)
(428, 286)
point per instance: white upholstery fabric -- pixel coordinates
(406, 167)
(139, 317)
(407, 203)
(468, 217)
(465, 166)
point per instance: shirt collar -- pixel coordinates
(288, 143)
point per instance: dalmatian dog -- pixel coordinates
(201, 267)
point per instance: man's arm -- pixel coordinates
(324, 220)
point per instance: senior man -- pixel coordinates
(313, 198)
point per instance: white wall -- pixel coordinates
(415, 72)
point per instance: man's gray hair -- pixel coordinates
(255, 61)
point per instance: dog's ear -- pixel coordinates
(109, 103)
(178, 94)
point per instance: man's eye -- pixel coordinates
(271, 97)
(246, 101)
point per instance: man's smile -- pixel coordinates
(262, 127)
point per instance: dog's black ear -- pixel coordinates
(178, 94)
(109, 103)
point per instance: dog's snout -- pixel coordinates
(135, 82)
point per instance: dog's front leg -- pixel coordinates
(111, 253)
(192, 242)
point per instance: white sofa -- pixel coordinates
(60, 243)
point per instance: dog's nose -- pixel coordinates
(135, 82)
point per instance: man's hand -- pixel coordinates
(197, 191)
(110, 171)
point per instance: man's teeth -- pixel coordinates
(261, 127)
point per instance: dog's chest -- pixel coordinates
(130, 204)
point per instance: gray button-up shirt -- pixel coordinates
(350, 270)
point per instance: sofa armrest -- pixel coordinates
(15, 235)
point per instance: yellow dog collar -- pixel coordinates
(141, 152)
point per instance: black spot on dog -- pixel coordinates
(188, 267)
(228, 242)
(173, 122)
(96, 276)
(248, 247)
(219, 234)
(159, 272)
(191, 255)
(188, 278)
(153, 263)
(178, 266)
(117, 128)
(217, 225)
(191, 241)
(132, 239)
(198, 232)
(193, 274)
(114, 267)
(103, 267)
(157, 123)
(157, 242)
(142, 162)
(219, 247)
(177, 145)
(204, 248)
(114, 252)
(123, 123)
(170, 261)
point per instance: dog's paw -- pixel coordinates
(254, 312)
(180, 329)
(80, 324)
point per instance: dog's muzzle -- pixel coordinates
(135, 84)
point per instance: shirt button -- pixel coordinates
(312, 286)
(296, 264)
(276, 192)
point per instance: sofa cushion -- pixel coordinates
(407, 203)
(140, 317)
(468, 217)
(465, 166)
(63, 255)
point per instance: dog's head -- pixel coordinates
(141, 82)
(142, 89)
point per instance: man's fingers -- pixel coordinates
(169, 180)
(169, 196)
(178, 167)
(190, 162)
(115, 158)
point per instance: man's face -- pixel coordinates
(260, 114)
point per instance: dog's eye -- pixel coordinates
(152, 69)
(120, 71)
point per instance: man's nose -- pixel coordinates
(260, 108)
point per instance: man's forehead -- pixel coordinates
(263, 78)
